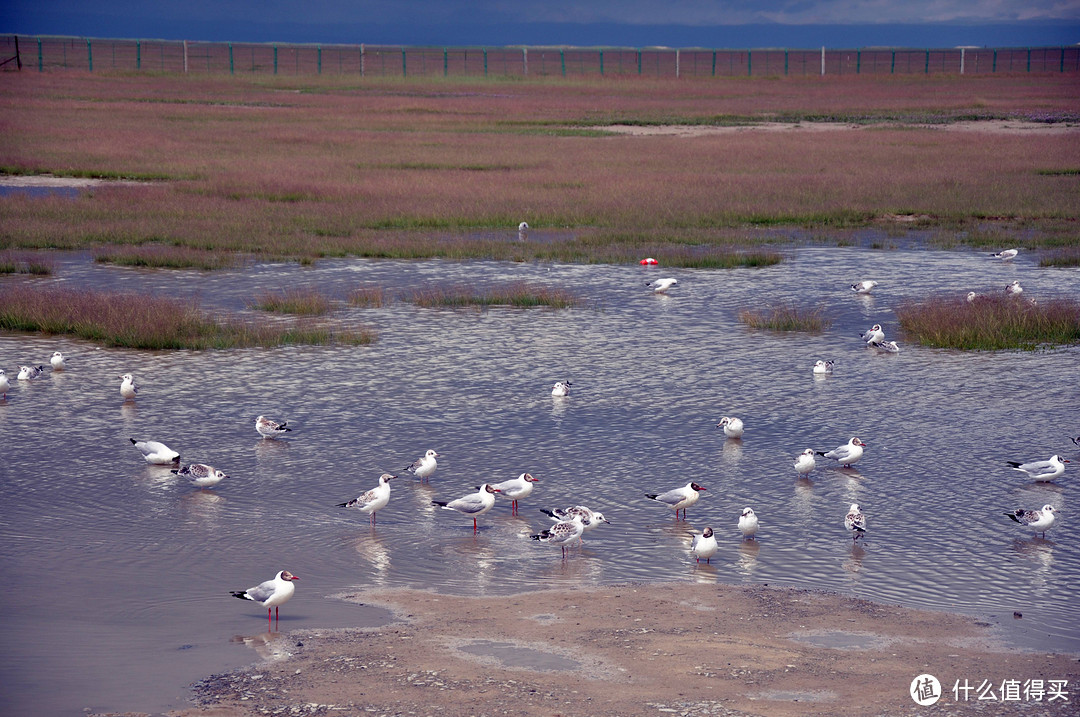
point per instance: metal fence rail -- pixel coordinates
(49, 53)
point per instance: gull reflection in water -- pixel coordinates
(732, 450)
(372, 549)
(853, 563)
(748, 557)
(267, 645)
(203, 505)
(1038, 554)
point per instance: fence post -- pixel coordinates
(993, 67)
(362, 59)
(90, 56)
(1029, 59)
(40, 63)
(639, 62)
(714, 63)
(858, 61)
(601, 63)
(892, 65)
(785, 62)
(678, 63)
(749, 63)
(185, 57)
(926, 67)
(445, 63)
(961, 60)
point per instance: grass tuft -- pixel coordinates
(1067, 256)
(141, 321)
(786, 317)
(517, 294)
(166, 257)
(367, 297)
(991, 323)
(25, 263)
(302, 302)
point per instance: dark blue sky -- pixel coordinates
(630, 23)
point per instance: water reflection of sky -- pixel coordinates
(114, 565)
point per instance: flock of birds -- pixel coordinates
(572, 522)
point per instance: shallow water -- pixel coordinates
(118, 573)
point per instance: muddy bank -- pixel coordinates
(633, 650)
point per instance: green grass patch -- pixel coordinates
(517, 294)
(1068, 172)
(367, 297)
(25, 263)
(166, 257)
(300, 302)
(1068, 256)
(786, 317)
(991, 323)
(141, 321)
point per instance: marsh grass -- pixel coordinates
(301, 302)
(991, 323)
(166, 257)
(25, 263)
(368, 297)
(1069, 256)
(786, 317)
(518, 294)
(141, 321)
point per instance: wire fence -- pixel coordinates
(50, 53)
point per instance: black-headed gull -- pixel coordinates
(5, 385)
(29, 373)
(562, 388)
(591, 518)
(748, 523)
(128, 389)
(703, 546)
(474, 504)
(57, 361)
(855, 522)
(823, 368)
(516, 489)
(733, 427)
(678, 498)
(424, 466)
(864, 287)
(1037, 520)
(889, 347)
(846, 454)
(804, 462)
(562, 533)
(1014, 289)
(268, 428)
(156, 453)
(873, 335)
(1006, 255)
(661, 285)
(971, 296)
(1041, 470)
(271, 594)
(371, 501)
(524, 226)
(201, 475)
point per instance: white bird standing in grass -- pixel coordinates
(748, 523)
(201, 475)
(271, 594)
(128, 389)
(661, 285)
(57, 361)
(704, 546)
(864, 287)
(1006, 255)
(371, 501)
(733, 427)
(156, 453)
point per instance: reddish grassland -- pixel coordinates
(316, 166)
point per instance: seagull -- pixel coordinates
(971, 296)
(748, 523)
(156, 453)
(1042, 470)
(678, 498)
(29, 373)
(1014, 289)
(733, 427)
(4, 383)
(474, 504)
(855, 522)
(874, 335)
(889, 347)
(524, 226)
(562, 533)
(661, 285)
(371, 501)
(823, 368)
(128, 389)
(704, 545)
(271, 594)
(57, 361)
(591, 518)
(562, 388)
(1006, 255)
(270, 429)
(1038, 520)
(804, 462)
(422, 468)
(201, 475)
(516, 489)
(1075, 440)
(846, 454)
(864, 287)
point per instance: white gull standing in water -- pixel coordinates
(371, 501)
(474, 504)
(270, 594)
(128, 389)
(733, 427)
(873, 335)
(5, 385)
(424, 466)
(562, 388)
(57, 361)
(846, 454)
(562, 533)
(864, 287)
(156, 453)
(1037, 520)
(804, 462)
(201, 475)
(748, 523)
(704, 546)
(29, 373)
(1041, 471)
(268, 428)
(516, 489)
(661, 285)
(678, 498)
(823, 368)
(855, 522)
(1014, 289)
(591, 518)
(1006, 255)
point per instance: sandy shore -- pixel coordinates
(683, 649)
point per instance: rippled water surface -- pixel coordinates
(117, 573)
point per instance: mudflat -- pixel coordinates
(685, 649)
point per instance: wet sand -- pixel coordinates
(684, 649)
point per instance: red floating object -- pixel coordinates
(648, 262)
